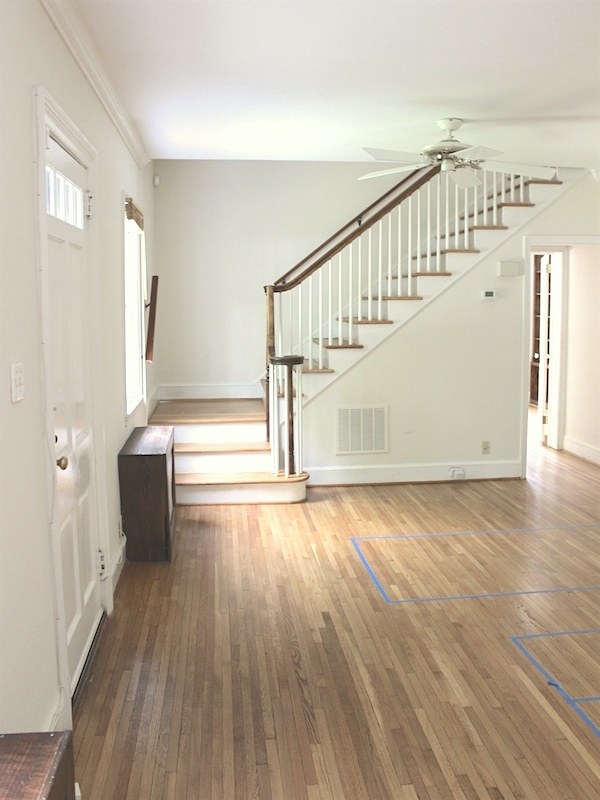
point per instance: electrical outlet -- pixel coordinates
(485, 448)
(457, 473)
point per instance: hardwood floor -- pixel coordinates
(265, 661)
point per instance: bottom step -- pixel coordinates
(241, 488)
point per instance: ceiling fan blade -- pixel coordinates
(391, 155)
(465, 177)
(403, 168)
(528, 170)
(477, 153)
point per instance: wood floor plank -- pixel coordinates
(264, 663)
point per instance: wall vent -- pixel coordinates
(362, 430)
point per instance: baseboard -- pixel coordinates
(205, 391)
(413, 473)
(118, 562)
(581, 449)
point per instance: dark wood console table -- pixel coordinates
(36, 766)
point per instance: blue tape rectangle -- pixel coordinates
(358, 540)
(575, 703)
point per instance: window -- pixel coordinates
(64, 199)
(135, 297)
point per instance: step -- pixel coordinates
(364, 321)
(336, 344)
(240, 488)
(222, 457)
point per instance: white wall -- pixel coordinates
(582, 418)
(32, 53)
(453, 376)
(224, 230)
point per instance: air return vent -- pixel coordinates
(362, 430)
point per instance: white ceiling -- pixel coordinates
(319, 79)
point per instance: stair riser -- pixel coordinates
(222, 462)
(221, 433)
(241, 494)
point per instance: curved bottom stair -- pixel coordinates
(221, 453)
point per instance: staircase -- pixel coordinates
(222, 454)
(330, 311)
(390, 262)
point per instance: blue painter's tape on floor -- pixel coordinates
(573, 702)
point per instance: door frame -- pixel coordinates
(49, 117)
(557, 345)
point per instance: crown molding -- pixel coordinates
(67, 21)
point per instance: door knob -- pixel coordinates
(62, 462)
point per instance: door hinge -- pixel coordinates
(101, 564)
(89, 204)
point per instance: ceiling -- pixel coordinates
(319, 79)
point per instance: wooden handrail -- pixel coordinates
(356, 220)
(285, 287)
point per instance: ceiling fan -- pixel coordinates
(461, 161)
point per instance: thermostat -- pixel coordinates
(488, 294)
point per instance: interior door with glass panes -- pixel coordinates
(75, 518)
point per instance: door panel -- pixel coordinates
(69, 381)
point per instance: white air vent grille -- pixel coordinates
(362, 430)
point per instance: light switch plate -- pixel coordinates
(17, 381)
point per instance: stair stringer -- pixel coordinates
(432, 287)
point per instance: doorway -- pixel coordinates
(66, 297)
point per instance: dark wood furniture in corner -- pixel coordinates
(36, 766)
(147, 486)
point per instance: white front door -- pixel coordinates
(69, 397)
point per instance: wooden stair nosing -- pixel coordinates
(235, 478)
(188, 448)
(387, 297)
(448, 251)
(337, 345)
(365, 321)
(432, 274)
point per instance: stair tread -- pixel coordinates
(431, 274)
(221, 447)
(317, 371)
(364, 321)
(233, 478)
(335, 344)
(401, 297)
(220, 410)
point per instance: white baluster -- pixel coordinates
(298, 454)
(438, 214)
(494, 198)
(274, 418)
(330, 303)
(429, 242)
(380, 269)
(456, 218)
(350, 285)
(299, 350)
(340, 301)
(321, 317)
(409, 233)
(466, 215)
(389, 252)
(370, 276)
(447, 193)
(310, 322)
(359, 280)
(418, 232)
(286, 424)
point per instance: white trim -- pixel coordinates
(539, 244)
(49, 116)
(205, 391)
(412, 473)
(67, 20)
(581, 449)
